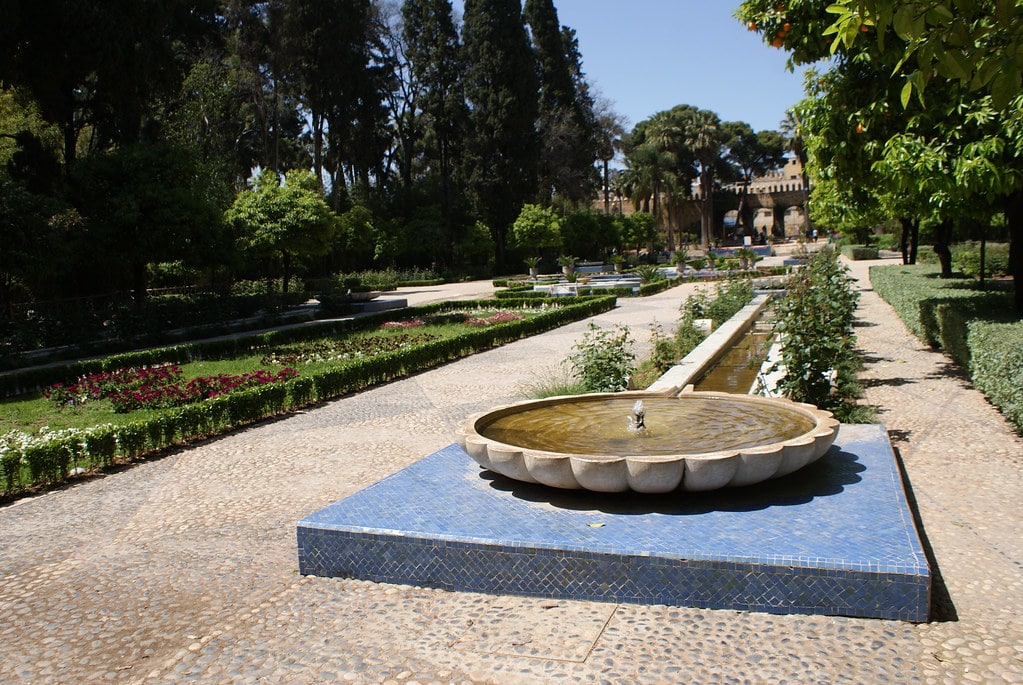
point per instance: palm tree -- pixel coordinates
(610, 130)
(793, 128)
(705, 138)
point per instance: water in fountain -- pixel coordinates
(695, 425)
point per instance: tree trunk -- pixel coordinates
(445, 184)
(285, 271)
(910, 239)
(1014, 217)
(983, 256)
(318, 147)
(942, 238)
(740, 214)
(70, 131)
(706, 207)
(138, 284)
(607, 191)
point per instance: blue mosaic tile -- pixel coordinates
(834, 538)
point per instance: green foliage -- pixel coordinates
(966, 258)
(814, 321)
(996, 366)
(536, 228)
(501, 86)
(728, 298)
(639, 230)
(604, 360)
(143, 204)
(31, 460)
(553, 382)
(583, 234)
(917, 294)
(286, 220)
(649, 273)
(975, 328)
(476, 247)
(856, 252)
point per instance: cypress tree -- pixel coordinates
(435, 60)
(567, 129)
(501, 87)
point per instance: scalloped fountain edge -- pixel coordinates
(650, 474)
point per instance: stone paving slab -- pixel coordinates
(183, 568)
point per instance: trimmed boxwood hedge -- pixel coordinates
(976, 328)
(857, 252)
(50, 459)
(996, 366)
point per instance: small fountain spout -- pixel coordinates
(637, 421)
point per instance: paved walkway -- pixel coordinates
(184, 569)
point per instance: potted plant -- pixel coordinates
(567, 264)
(747, 258)
(617, 261)
(680, 259)
(533, 263)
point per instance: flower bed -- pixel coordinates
(156, 387)
(52, 454)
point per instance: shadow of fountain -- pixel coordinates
(826, 477)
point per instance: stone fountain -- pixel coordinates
(554, 512)
(648, 442)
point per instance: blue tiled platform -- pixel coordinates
(835, 538)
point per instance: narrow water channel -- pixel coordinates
(739, 366)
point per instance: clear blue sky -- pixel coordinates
(650, 55)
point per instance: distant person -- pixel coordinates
(815, 235)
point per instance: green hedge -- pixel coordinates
(918, 293)
(858, 252)
(31, 380)
(996, 366)
(28, 461)
(976, 328)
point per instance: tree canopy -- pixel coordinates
(876, 150)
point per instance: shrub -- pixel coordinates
(916, 293)
(974, 327)
(814, 321)
(604, 360)
(30, 460)
(966, 258)
(996, 366)
(858, 252)
(648, 273)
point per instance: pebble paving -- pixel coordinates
(184, 568)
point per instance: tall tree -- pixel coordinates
(501, 87)
(566, 111)
(142, 204)
(752, 154)
(437, 64)
(705, 137)
(970, 139)
(102, 66)
(610, 131)
(283, 220)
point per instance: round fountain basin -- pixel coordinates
(694, 441)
